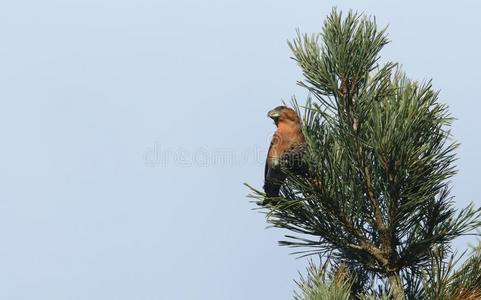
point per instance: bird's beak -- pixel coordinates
(273, 114)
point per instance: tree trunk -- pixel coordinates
(396, 285)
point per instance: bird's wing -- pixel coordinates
(266, 168)
(292, 158)
(273, 175)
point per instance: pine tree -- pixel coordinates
(379, 156)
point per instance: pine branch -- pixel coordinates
(379, 156)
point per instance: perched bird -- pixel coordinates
(285, 151)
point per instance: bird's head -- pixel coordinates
(283, 114)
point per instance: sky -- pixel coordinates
(129, 127)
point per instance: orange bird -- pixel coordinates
(285, 150)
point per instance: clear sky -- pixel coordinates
(128, 128)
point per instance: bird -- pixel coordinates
(285, 151)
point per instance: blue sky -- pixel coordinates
(128, 128)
